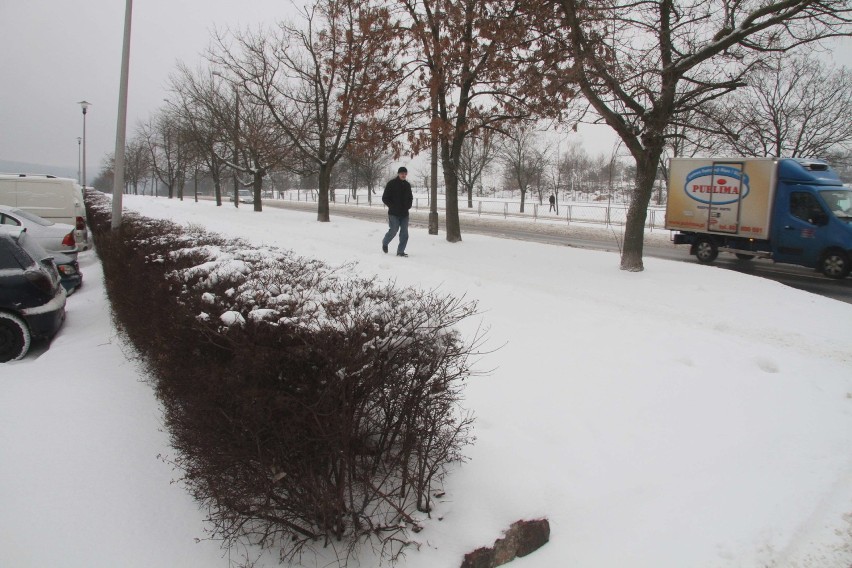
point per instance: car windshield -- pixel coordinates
(30, 217)
(839, 201)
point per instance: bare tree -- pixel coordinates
(161, 137)
(843, 164)
(573, 164)
(260, 143)
(643, 65)
(137, 164)
(540, 160)
(519, 156)
(322, 81)
(205, 120)
(795, 106)
(104, 180)
(475, 75)
(368, 163)
(478, 152)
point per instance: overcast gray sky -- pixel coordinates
(54, 53)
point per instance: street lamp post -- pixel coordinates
(121, 122)
(85, 105)
(79, 179)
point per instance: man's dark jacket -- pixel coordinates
(398, 197)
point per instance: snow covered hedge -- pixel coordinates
(306, 403)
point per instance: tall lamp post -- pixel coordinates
(79, 179)
(121, 121)
(85, 105)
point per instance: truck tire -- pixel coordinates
(706, 250)
(14, 337)
(835, 264)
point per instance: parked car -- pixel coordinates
(56, 199)
(246, 196)
(32, 300)
(69, 272)
(52, 237)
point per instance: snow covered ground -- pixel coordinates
(685, 416)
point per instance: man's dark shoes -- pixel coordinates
(385, 248)
(401, 254)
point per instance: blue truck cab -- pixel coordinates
(794, 211)
(812, 218)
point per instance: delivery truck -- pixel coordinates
(789, 210)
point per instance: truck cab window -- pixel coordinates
(805, 207)
(839, 202)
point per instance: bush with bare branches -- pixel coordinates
(307, 405)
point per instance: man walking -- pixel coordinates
(398, 198)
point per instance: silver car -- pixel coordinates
(52, 237)
(246, 196)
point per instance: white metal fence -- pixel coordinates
(603, 213)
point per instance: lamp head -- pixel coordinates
(85, 105)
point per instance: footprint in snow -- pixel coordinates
(767, 366)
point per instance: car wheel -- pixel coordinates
(706, 250)
(14, 337)
(835, 264)
(743, 256)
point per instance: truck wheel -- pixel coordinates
(706, 250)
(835, 264)
(14, 337)
(743, 256)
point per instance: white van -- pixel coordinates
(57, 199)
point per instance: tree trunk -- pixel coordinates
(433, 185)
(217, 189)
(257, 186)
(522, 186)
(451, 181)
(634, 229)
(322, 200)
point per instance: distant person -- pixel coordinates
(398, 197)
(552, 202)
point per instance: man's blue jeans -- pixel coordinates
(395, 224)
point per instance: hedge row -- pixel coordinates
(306, 404)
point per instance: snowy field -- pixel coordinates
(685, 416)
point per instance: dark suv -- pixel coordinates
(32, 300)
